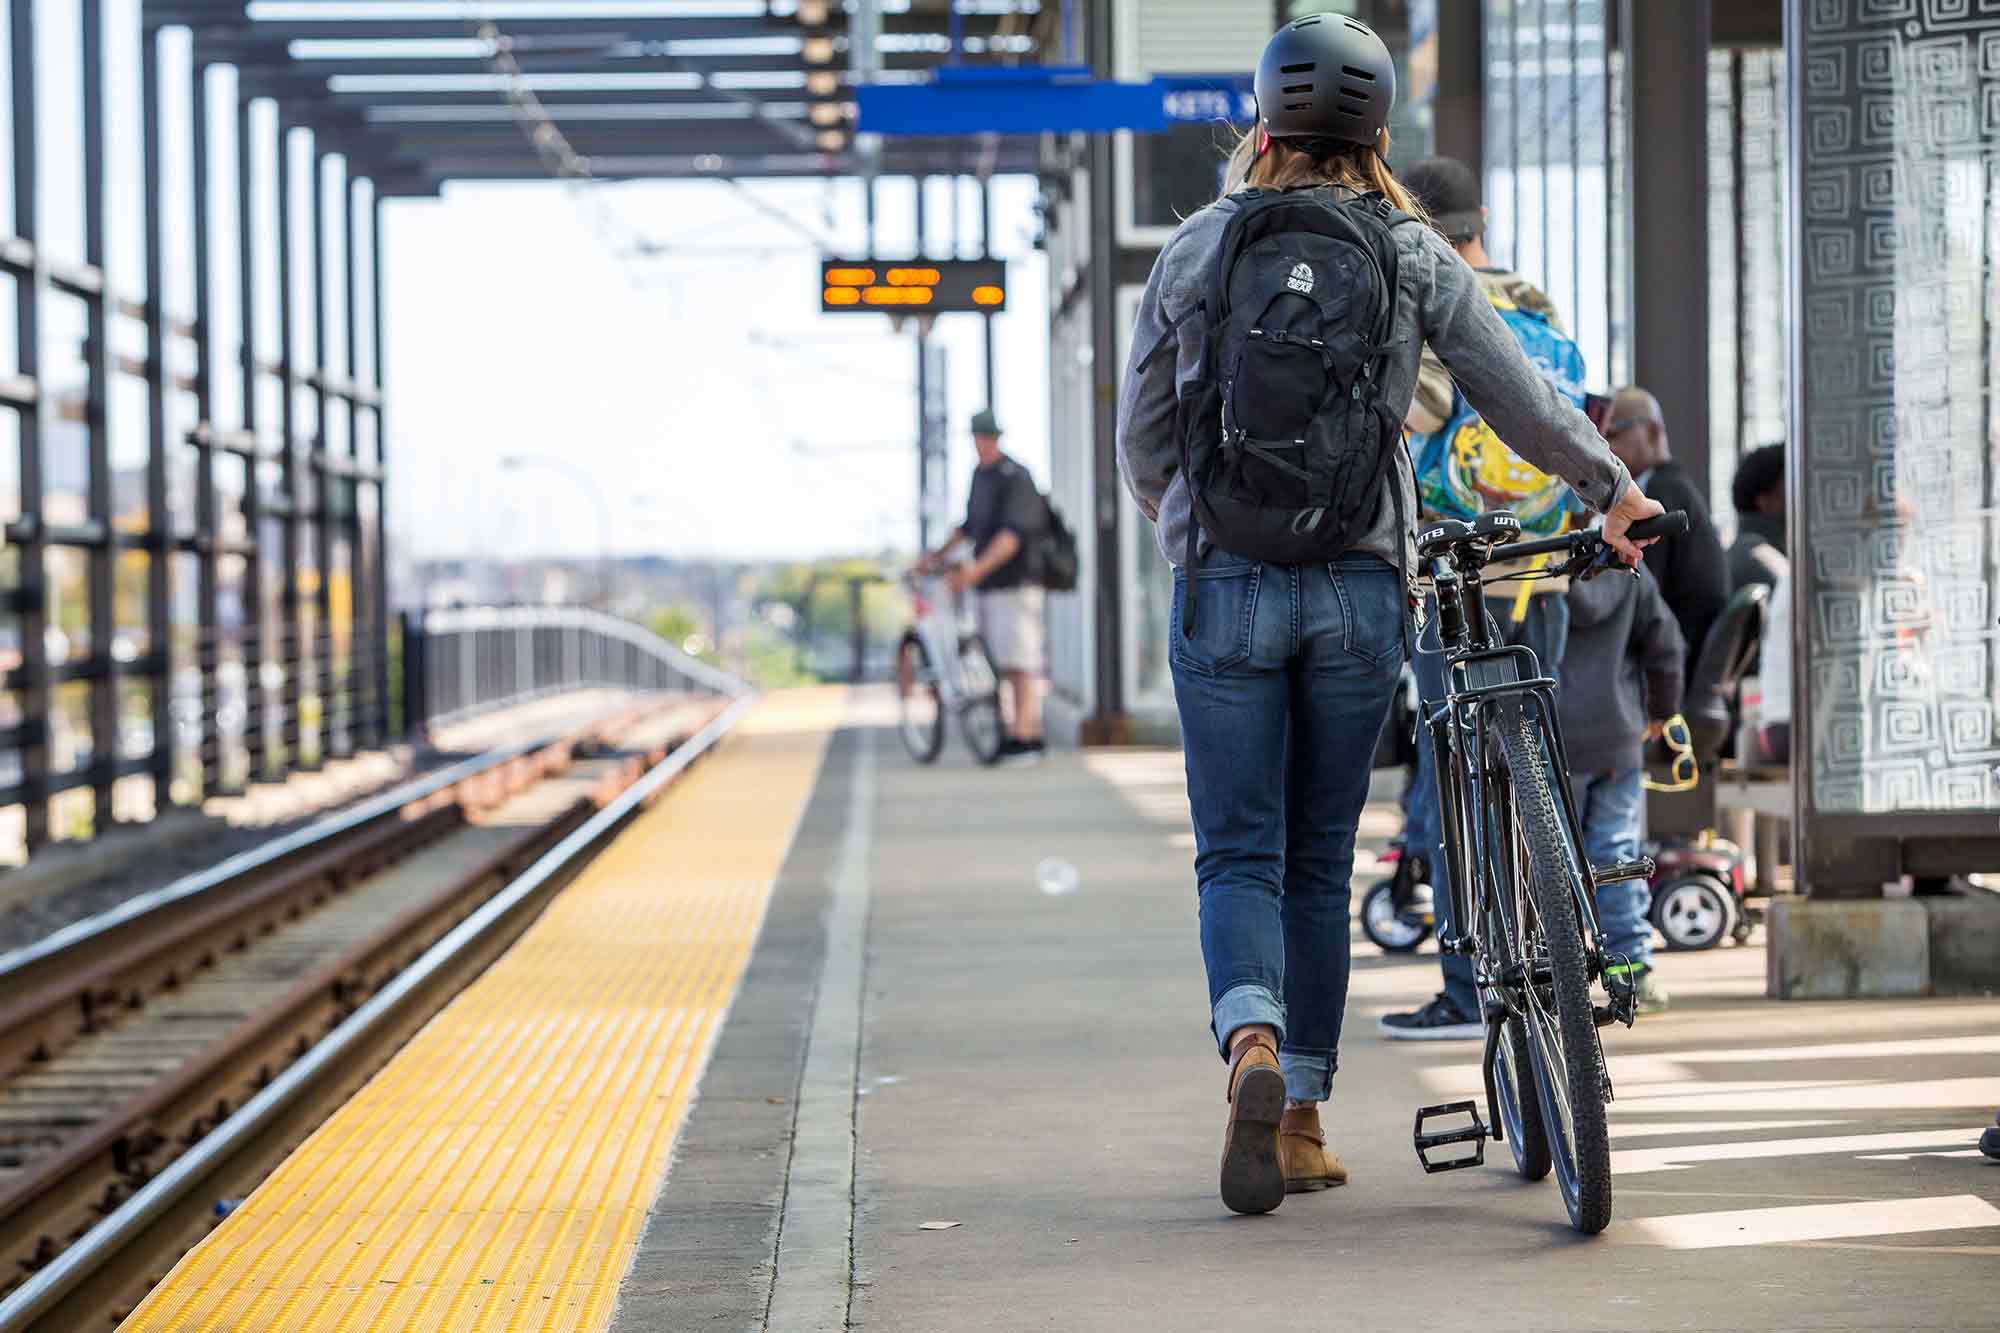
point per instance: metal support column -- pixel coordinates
(1109, 724)
(924, 533)
(207, 519)
(159, 520)
(381, 597)
(31, 680)
(361, 646)
(256, 716)
(291, 545)
(1666, 62)
(986, 252)
(105, 749)
(324, 479)
(1459, 109)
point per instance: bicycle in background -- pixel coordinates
(1522, 891)
(943, 670)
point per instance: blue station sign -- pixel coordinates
(1058, 99)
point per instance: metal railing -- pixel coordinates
(464, 661)
(232, 526)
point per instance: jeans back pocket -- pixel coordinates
(1371, 601)
(1225, 605)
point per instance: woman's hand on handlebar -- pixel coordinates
(1631, 508)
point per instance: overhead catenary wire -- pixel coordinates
(573, 168)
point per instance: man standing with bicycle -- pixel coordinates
(1004, 515)
(1463, 470)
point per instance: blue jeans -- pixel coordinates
(1545, 630)
(1282, 693)
(1612, 808)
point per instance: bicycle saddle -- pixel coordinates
(1441, 536)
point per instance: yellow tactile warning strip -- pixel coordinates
(495, 1174)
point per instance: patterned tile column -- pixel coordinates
(1896, 149)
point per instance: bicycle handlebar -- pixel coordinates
(1670, 524)
(1584, 542)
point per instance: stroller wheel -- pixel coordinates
(1694, 913)
(1390, 931)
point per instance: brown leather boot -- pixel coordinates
(1252, 1179)
(1309, 1164)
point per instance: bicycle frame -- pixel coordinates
(939, 624)
(1478, 674)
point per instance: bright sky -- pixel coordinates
(715, 408)
(700, 390)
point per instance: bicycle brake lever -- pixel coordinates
(1599, 559)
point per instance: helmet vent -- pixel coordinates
(1307, 21)
(1298, 106)
(1306, 68)
(1298, 87)
(1346, 111)
(1361, 74)
(1357, 94)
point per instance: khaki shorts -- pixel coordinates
(1010, 620)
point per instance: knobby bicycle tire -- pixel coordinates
(1554, 879)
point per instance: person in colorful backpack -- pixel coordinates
(1464, 469)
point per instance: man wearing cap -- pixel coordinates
(1692, 567)
(1464, 469)
(1004, 516)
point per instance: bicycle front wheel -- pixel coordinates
(1564, 1054)
(919, 703)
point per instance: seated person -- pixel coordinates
(1758, 553)
(1771, 741)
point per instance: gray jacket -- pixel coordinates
(1441, 303)
(1621, 669)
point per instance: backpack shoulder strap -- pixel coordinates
(1167, 334)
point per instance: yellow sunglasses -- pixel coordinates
(1686, 772)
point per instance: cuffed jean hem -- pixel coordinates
(1308, 1077)
(1242, 1005)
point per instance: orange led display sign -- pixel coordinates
(934, 286)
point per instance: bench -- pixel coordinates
(1758, 795)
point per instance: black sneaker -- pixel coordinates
(1014, 751)
(1440, 1020)
(1989, 1142)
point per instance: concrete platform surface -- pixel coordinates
(1033, 1069)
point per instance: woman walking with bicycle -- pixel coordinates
(1275, 356)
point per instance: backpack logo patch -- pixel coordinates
(1301, 280)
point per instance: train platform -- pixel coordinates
(828, 1040)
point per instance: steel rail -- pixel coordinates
(16, 965)
(51, 1284)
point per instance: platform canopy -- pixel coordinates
(420, 92)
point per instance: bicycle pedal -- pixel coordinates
(1426, 1143)
(1623, 1000)
(1642, 868)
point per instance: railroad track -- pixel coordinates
(157, 1061)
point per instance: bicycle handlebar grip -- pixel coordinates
(1670, 524)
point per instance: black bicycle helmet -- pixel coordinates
(1325, 77)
